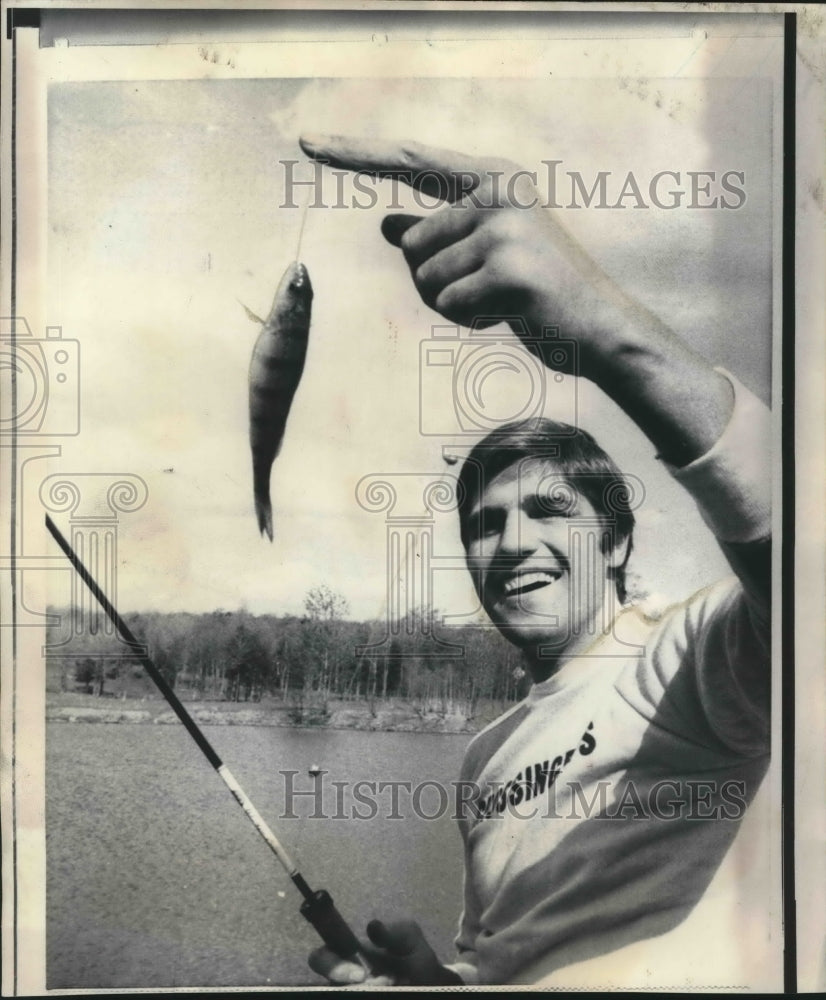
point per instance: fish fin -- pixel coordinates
(250, 314)
(263, 511)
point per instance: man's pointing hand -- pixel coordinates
(493, 251)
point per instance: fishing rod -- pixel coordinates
(318, 907)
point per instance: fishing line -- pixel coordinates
(301, 227)
(318, 908)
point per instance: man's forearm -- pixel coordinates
(676, 398)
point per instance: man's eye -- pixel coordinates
(491, 524)
(560, 511)
(484, 526)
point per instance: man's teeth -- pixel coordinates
(526, 581)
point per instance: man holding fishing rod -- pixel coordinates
(602, 805)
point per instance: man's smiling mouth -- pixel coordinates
(525, 583)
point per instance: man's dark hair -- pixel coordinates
(569, 451)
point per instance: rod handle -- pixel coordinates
(333, 929)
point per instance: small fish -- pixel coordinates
(275, 371)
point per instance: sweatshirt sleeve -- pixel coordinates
(721, 639)
(732, 487)
(466, 962)
(731, 484)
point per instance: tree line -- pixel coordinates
(306, 660)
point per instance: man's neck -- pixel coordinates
(543, 665)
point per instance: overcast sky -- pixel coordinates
(164, 212)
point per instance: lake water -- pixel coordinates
(156, 878)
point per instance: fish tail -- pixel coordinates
(263, 510)
(263, 507)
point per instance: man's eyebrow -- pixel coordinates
(484, 510)
(564, 503)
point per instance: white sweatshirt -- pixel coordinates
(610, 795)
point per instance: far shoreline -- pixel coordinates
(395, 716)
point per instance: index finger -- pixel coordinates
(442, 173)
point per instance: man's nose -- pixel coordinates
(518, 534)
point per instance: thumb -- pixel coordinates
(393, 227)
(401, 938)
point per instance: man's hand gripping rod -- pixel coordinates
(318, 906)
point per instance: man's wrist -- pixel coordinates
(673, 395)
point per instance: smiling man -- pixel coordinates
(547, 525)
(606, 803)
